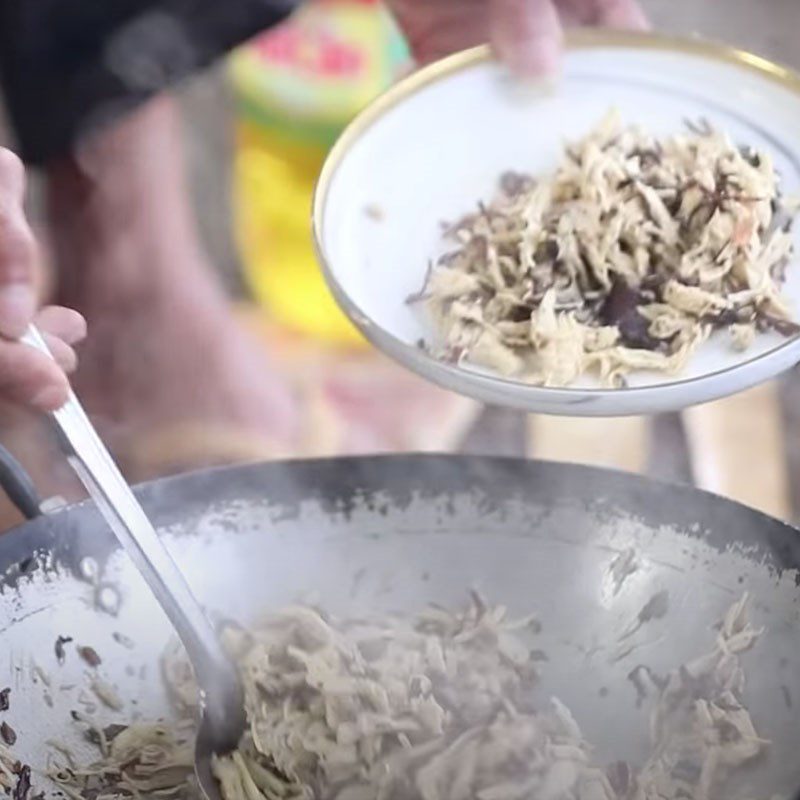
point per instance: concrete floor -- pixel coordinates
(768, 27)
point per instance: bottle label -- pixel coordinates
(324, 64)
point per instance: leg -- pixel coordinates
(163, 343)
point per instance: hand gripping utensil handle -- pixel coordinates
(99, 474)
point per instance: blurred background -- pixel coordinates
(258, 127)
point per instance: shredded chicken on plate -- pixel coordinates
(441, 706)
(626, 259)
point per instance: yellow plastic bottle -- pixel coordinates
(297, 87)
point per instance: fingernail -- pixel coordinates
(50, 399)
(539, 59)
(17, 306)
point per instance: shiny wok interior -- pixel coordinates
(394, 534)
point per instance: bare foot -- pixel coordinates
(183, 366)
(359, 402)
(164, 349)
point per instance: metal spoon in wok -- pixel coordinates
(221, 696)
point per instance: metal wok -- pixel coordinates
(396, 533)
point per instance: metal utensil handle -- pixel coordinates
(18, 486)
(96, 469)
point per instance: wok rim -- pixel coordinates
(777, 542)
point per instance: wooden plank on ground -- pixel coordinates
(621, 442)
(737, 450)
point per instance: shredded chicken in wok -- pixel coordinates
(626, 259)
(441, 706)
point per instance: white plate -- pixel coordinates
(436, 143)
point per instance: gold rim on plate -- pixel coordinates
(577, 39)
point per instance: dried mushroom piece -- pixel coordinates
(631, 255)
